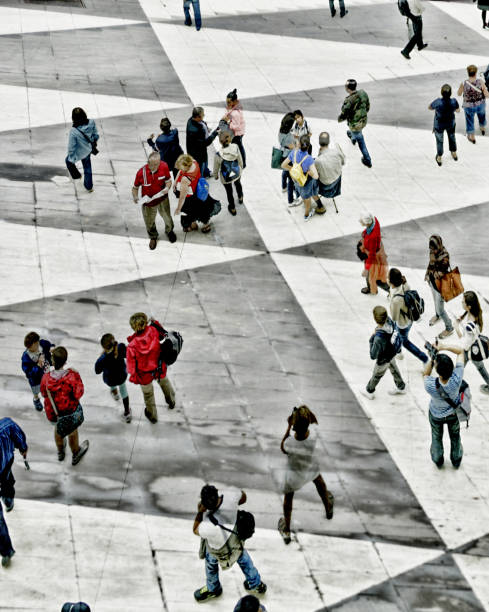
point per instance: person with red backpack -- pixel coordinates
(143, 352)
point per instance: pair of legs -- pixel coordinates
(197, 16)
(417, 37)
(380, 370)
(409, 346)
(120, 391)
(239, 141)
(373, 289)
(229, 193)
(456, 449)
(6, 548)
(36, 389)
(357, 136)
(470, 114)
(149, 397)
(324, 494)
(440, 311)
(288, 183)
(342, 8)
(452, 143)
(245, 563)
(87, 171)
(77, 450)
(149, 216)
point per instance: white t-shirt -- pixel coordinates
(226, 515)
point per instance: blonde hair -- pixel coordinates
(184, 162)
(138, 321)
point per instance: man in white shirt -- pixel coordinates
(222, 547)
(414, 14)
(329, 163)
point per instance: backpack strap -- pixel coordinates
(473, 86)
(85, 136)
(445, 395)
(295, 159)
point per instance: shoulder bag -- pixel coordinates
(462, 407)
(66, 425)
(93, 143)
(451, 284)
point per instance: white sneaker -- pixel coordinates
(115, 395)
(397, 391)
(368, 395)
(400, 356)
(284, 190)
(310, 215)
(296, 202)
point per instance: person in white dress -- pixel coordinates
(302, 465)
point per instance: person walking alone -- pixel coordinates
(197, 16)
(354, 111)
(413, 12)
(82, 142)
(444, 121)
(438, 266)
(483, 5)
(341, 3)
(475, 92)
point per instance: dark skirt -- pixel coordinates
(332, 190)
(197, 210)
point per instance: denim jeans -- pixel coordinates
(417, 37)
(358, 137)
(470, 114)
(244, 562)
(197, 16)
(409, 346)
(6, 548)
(380, 370)
(342, 6)
(453, 424)
(122, 390)
(288, 183)
(452, 143)
(7, 482)
(440, 309)
(87, 171)
(204, 170)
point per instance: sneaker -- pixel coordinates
(204, 594)
(150, 418)
(438, 160)
(152, 244)
(484, 389)
(240, 200)
(310, 215)
(171, 405)
(9, 503)
(434, 320)
(365, 290)
(456, 464)
(454, 156)
(397, 391)
(445, 333)
(296, 202)
(483, 131)
(343, 14)
(115, 394)
(281, 529)
(366, 162)
(89, 190)
(127, 416)
(423, 47)
(7, 559)
(260, 589)
(329, 513)
(439, 463)
(333, 12)
(38, 405)
(188, 23)
(405, 54)
(367, 394)
(77, 457)
(284, 189)
(171, 236)
(400, 356)
(62, 452)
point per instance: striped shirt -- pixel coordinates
(439, 408)
(11, 437)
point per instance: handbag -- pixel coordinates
(451, 285)
(65, 425)
(277, 158)
(480, 349)
(93, 143)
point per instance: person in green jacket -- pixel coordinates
(354, 110)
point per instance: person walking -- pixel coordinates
(383, 350)
(192, 209)
(329, 164)
(11, 437)
(36, 360)
(199, 138)
(112, 365)
(286, 142)
(341, 3)
(249, 603)
(400, 314)
(235, 121)
(168, 144)
(62, 389)
(441, 388)
(302, 169)
(354, 111)
(143, 352)
(82, 142)
(228, 166)
(474, 92)
(197, 16)
(217, 514)
(444, 121)
(371, 251)
(438, 266)
(413, 12)
(302, 465)
(155, 182)
(483, 6)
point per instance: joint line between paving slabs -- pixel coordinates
(159, 578)
(75, 560)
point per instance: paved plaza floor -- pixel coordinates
(269, 307)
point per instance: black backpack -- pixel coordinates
(414, 304)
(244, 527)
(403, 6)
(171, 343)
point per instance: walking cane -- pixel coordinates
(335, 205)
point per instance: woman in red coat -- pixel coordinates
(376, 267)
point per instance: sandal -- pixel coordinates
(192, 227)
(281, 529)
(206, 229)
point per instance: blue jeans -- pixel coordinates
(6, 548)
(204, 170)
(87, 171)
(456, 449)
(470, 114)
(409, 346)
(358, 137)
(440, 309)
(244, 562)
(452, 143)
(197, 16)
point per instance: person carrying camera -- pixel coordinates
(217, 514)
(441, 412)
(112, 365)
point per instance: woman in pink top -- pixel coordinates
(235, 120)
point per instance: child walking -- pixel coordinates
(112, 365)
(302, 465)
(36, 360)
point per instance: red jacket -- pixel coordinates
(65, 390)
(371, 244)
(143, 350)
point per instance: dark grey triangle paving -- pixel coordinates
(122, 9)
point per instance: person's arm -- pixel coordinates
(217, 166)
(344, 111)
(375, 345)
(341, 153)
(312, 171)
(135, 194)
(19, 439)
(71, 145)
(428, 368)
(95, 132)
(430, 107)
(184, 185)
(240, 159)
(484, 90)
(458, 350)
(210, 139)
(78, 388)
(99, 364)
(199, 517)
(168, 184)
(151, 142)
(395, 307)
(460, 89)
(286, 164)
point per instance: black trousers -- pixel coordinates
(229, 191)
(417, 38)
(7, 481)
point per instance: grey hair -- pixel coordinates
(323, 139)
(154, 156)
(197, 111)
(367, 219)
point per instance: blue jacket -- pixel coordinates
(33, 372)
(113, 370)
(78, 146)
(11, 437)
(169, 147)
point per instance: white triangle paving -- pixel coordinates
(457, 503)
(16, 20)
(30, 107)
(468, 14)
(476, 571)
(57, 261)
(91, 545)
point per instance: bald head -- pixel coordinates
(323, 139)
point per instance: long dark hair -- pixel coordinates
(165, 125)
(473, 304)
(287, 123)
(232, 95)
(79, 117)
(446, 94)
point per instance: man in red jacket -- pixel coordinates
(143, 351)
